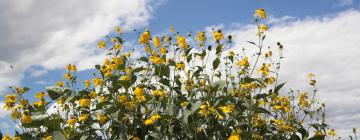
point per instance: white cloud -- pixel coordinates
(327, 46)
(52, 33)
(345, 2)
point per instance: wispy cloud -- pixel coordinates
(345, 2)
(327, 46)
(53, 33)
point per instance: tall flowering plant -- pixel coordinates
(181, 87)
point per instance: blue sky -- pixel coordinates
(36, 67)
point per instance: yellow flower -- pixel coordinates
(263, 28)
(10, 99)
(67, 76)
(303, 100)
(68, 67)
(87, 83)
(84, 102)
(139, 91)
(7, 137)
(147, 49)
(277, 107)
(101, 44)
(181, 42)
(15, 114)
(48, 138)
(227, 108)
(117, 60)
(60, 84)
(157, 42)
(244, 62)
(42, 102)
(265, 69)
(260, 13)
(144, 37)
(118, 29)
(101, 118)
(152, 119)
(218, 35)
(155, 117)
(117, 46)
(206, 109)
(158, 93)
(102, 99)
(97, 81)
(16, 138)
(140, 98)
(270, 80)
(128, 70)
(129, 105)
(180, 66)
(24, 102)
(128, 54)
(234, 136)
(71, 121)
(92, 94)
(163, 50)
(83, 117)
(40, 95)
(114, 40)
(122, 98)
(184, 104)
(148, 122)
(73, 68)
(231, 54)
(311, 75)
(319, 133)
(157, 60)
(332, 133)
(26, 118)
(201, 37)
(107, 62)
(19, 90)
(125, 78)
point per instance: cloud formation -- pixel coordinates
(49, 33)
(327, 46)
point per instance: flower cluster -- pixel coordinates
(182, 87)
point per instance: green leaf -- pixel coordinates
(310, 113)
(57, 135)
(195, 106)
(250, 80)
(252, 43)
(139, 69)
(165, 82)
(317, 137)
(55, 92)
(278, 87)
(261, 110)
(38, 119)
(304, 133)
(216, 63)
(98, 67)
(144, 59)
(197, 72)
(188, 58)
(26, 89)
(219, 49)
